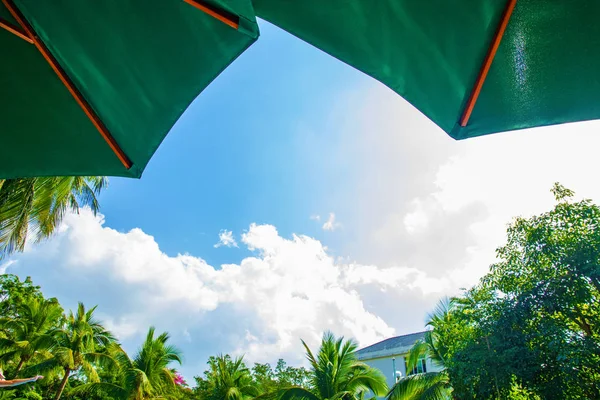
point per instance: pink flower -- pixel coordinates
(179, 380)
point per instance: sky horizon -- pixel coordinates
(297, 195)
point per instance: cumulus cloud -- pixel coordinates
(331, 224)
(226, 239)
(422, 217)
(420, 200)
(290, 288)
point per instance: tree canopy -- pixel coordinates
(529, 329)
(531, 326)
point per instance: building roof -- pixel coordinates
(389, 347)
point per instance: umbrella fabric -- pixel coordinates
(431, 52)
(138, 63)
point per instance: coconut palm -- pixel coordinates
(8, 394)
(336, 374)
(147, 376)
(34, 207)
(230, 379)
(28, 335)
(427, 385)
(78, 348)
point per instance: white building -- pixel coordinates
(389, 356)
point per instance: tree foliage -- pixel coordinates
(270, 380)
(336, 373)
(530, 329)
(14, 292)
(435, 345)
(147, 376)
(533, 322)
(34, 207)
(79, 357)
(28, 335)
(229, 379)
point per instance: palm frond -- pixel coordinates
(297, 393)
(370, 379)
(337, 374)
(16, 202)
(425, 386)
(100, 389)
(43, 368)
(419, 350)
(36, 206)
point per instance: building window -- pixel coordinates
(419, 369)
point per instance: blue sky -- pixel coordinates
(215, 170)
(350, 211)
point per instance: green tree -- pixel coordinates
(270, 380)
(229, 379)
(147, 376)
(264, 378)
(8, 394)
(336, 374)
(286, 375)
(78, 347)
(36, 206)
(489, 338)
(535, 317)
(429, 385)
(13, 292)
(28, 335)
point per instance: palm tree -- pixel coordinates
(336, 374)
(29, 334)
(146, 376)
(35, 207)
(230, 379)
(427, 385)
(78, 347)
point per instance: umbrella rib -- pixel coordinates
(62, 75)
(487, 63)
(222, 15)
(15, 30)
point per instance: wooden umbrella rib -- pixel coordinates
(15, 30)
(62, 75)
(222, 15)
(487, 63)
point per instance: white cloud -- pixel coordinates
(290, 289)
(226, 239)
(315, 217)
(420, 200)
(422, 217)
(331, 224)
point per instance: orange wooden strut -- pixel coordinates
(487, 63)
(225, 17)
(62, 75)
(15, 30)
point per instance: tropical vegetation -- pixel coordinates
(336, 373)
(432, 385)
(78, 356)
(529, 329)
(35, 207)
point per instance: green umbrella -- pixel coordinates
(131, 67)
(91, 87)
(436, 54)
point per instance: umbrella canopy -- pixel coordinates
(473, 67)
(131, 68)
(104, 81)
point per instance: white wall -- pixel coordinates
(385, 365)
